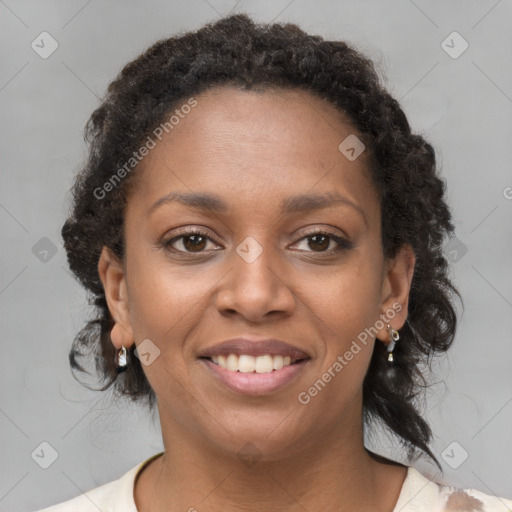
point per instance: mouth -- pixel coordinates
(246, 363)
(254, 376)
(254, 366)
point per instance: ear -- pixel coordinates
(112, 275)
(396, 286)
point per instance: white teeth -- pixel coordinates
(246, 364)
(249, 364)
(264, 364)
(232, 363)
(278, 362)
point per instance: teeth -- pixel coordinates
(278, 362)
(232, 363)
(246, 364)
(263, 364)
(249, 364)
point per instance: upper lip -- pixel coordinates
(254, 347)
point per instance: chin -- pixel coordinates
(259, 440)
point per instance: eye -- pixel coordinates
(195, 240)
(322, 241)
(191, 241)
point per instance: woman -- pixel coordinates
(262, 234)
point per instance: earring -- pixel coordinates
(121, 360)
(393, 337)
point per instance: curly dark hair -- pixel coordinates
(237, 52)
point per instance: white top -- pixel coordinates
(418, 494)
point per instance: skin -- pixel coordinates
(254, 149)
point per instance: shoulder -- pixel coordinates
(456, 499)
(422, 494)
(115, 496)
(105, 498)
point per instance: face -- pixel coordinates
(288, 247)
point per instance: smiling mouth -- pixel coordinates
(245, 363)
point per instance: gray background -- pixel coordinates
(462, 105)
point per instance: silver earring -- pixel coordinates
(393, 337)
(121, 360)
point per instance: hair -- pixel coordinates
(236, 52)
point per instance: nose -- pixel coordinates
(256, 290)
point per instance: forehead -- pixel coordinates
(250, 146)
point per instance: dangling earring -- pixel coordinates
(121, 360)
(394, 337)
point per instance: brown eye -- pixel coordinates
(193, 241)
(322, 242)
(319, 241)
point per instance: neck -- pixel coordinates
(335, 473)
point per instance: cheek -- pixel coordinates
(349, 307)
(347, 312)
(351, 293)
(166, 305)
(164, 299)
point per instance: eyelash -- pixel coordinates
(343, 244)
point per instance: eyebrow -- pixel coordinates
(295, 204)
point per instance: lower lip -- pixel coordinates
(256, 383)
